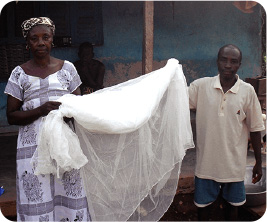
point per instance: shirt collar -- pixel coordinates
(235, 87)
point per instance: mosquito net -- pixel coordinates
(129, 142)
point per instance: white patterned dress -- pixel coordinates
(45, 197)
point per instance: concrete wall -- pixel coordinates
(192, 32)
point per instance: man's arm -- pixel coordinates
(255, 138)
(100, 76)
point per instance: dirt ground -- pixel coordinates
(182, 208)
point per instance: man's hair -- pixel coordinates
(233, 47)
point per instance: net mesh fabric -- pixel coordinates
(129, 141)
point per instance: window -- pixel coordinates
(79, 21)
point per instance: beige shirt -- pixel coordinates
(223, 122)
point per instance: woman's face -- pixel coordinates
(40, 40)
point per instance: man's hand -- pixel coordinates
(256, 173)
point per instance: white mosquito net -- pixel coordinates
(129, 142)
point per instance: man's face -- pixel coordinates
(228, 62)
(86, 54)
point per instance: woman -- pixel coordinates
(32, 90)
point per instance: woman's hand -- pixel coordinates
(48, 106)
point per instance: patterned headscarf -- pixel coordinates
(30, 23)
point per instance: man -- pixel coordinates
(90, 70)
(227, 109)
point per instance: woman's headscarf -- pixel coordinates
(27, 25)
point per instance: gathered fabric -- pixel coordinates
(129, 142)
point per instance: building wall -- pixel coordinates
(191, 32)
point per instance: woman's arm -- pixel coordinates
(15, 116)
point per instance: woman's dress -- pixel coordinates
(45, 197)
